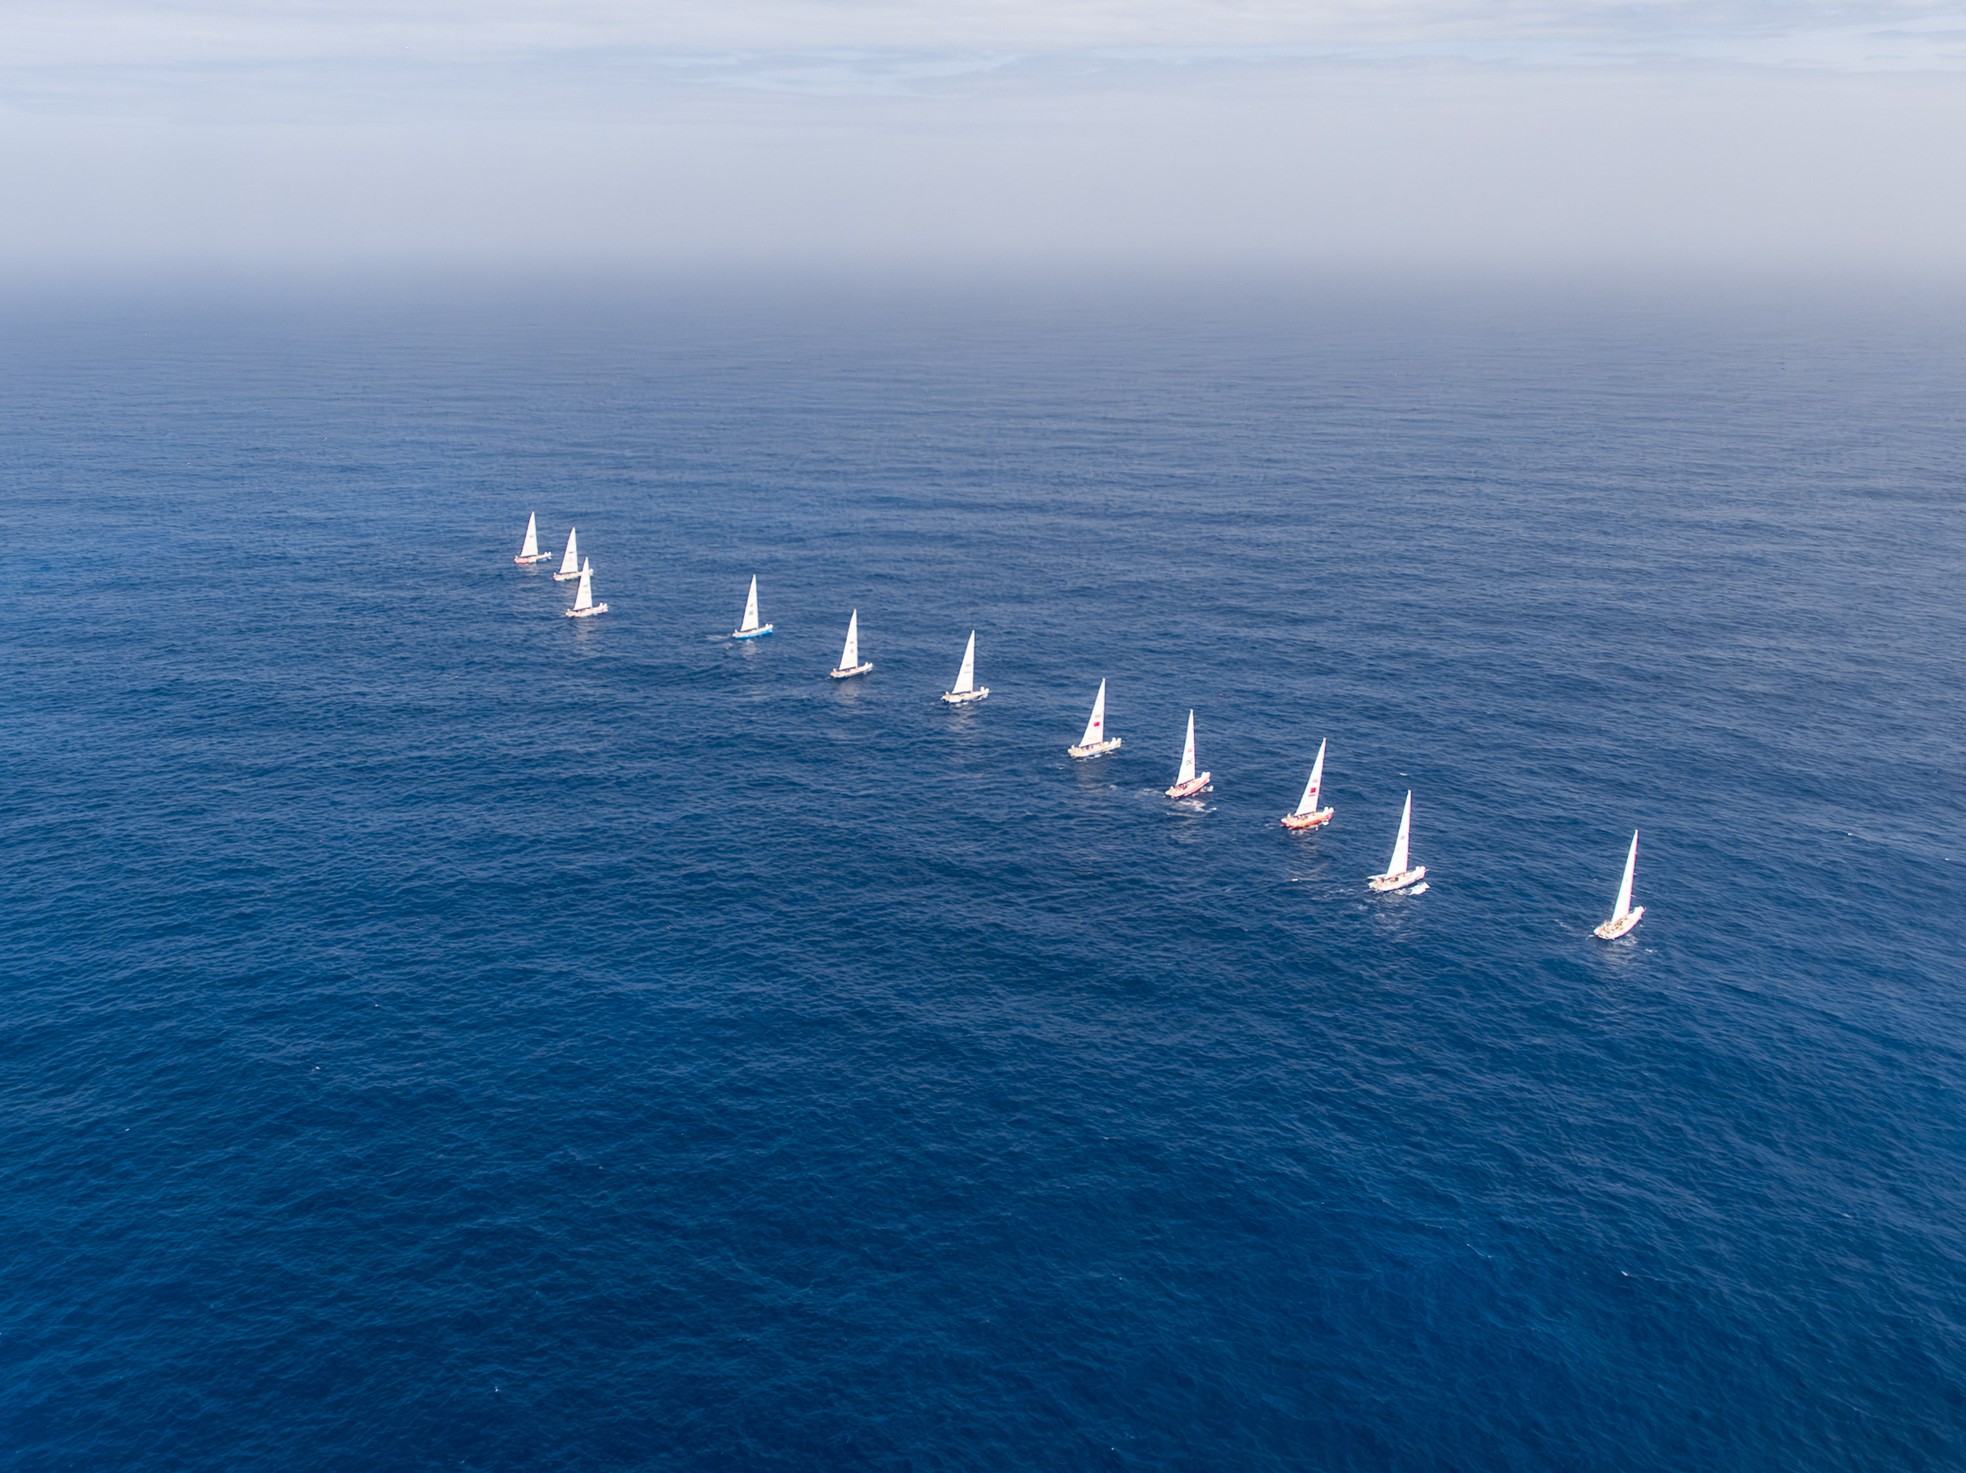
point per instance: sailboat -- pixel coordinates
(1397, 875)
(966, 688)
(850, 662)
(570, 560)
(1308, 814)
(584, 606)
(751, 628)
(529, 552)
(1095, 742)
(1624, 915)
(1189, 784)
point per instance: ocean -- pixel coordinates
(439, 1033)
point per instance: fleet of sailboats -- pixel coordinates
(1188, 783)
(1095, 742)
(1400, 874)
(966, 690)
(850, 661)
(1308, 814)
(1624, 915)
(751, 628)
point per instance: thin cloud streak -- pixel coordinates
(82, 34)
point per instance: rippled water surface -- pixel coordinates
(442, 1033)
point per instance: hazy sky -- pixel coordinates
(1564, 134)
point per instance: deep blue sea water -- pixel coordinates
(439, 1033)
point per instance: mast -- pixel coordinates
(530, 547)
(750, 608)
(570, 563)
(584, 598)
(1188, 755)
(850, 655)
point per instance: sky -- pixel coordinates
(1566, 135)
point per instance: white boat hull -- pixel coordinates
(566, 577)
(1095, 749)
(964, 698)
(586, 613)
(1618, 926)
(845, 674)
(526, 562)
(1194, 787)
(1315, 820)
(759, 633)
(1386, 884)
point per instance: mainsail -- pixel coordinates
(1624, 905)
(1095, 729)
(966, 677)
(1308, 803)
(1398, 865)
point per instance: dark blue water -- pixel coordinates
(438, 1033)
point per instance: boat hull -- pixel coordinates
(965, 698)
(1618, 926)
(1386, 884)
(1095, 749)
(759, 633)
(1194, 787)
(566, 577)
(1315, 820)
(586, 613)
(846, 674)
(526, 562)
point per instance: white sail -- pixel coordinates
(1188, 755)
(966, 677)
(570, 563)
(1398, 865)
(850, 656)
(1308, 803)
(529, 549)
(1095, 729)
(750, 608)
(584, 599)
(1624, 905)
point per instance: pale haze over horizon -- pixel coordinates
(767, 133)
